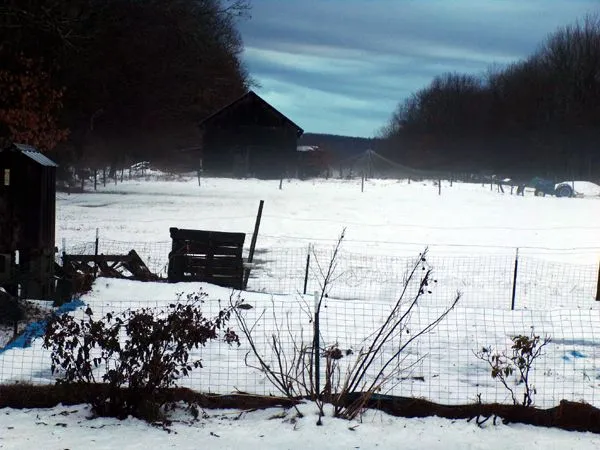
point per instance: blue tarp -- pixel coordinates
(37, 329)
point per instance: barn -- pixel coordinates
(27, 220)
(249, 137)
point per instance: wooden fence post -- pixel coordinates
(253, 242)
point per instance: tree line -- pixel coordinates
(95, 81)
(537, 116)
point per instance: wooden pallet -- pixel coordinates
(112, 266)
(210, 256)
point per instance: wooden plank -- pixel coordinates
(216, 259)
(221, 237)
(137, 267)
(222, 267)
(204, 249)
(217, 264)
(209, 268)
(231, 271)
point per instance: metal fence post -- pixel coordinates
(96, 245)
(514, 288)
(316, 341)
(307, 268)
(598, 285)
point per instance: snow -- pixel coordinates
(69, 427)
(467, 225)
(449, 372)
(390, 217)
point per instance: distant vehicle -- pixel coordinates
(548, 187)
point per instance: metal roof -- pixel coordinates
(34, 154)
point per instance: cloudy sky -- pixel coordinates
(342, 66)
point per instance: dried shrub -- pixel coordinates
(517, 364)
(138, 354)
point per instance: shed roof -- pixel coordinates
(251, 94)
(36, 155)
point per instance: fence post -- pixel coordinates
(95, 179)
(96, 242)
(439, 186)
(200, 172)
(253, 242)
(281, 182)
(362, 183)
(514, 288)
(316, 342)
(307, 268)
(598, 285)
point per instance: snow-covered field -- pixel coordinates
(389, 217)
(472, 232)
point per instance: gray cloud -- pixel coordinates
(342, 66)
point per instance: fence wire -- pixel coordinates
(440, 366)
(485, 280)
(553, 298)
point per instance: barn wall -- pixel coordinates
(264, 152)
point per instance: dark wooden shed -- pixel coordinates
(27, 220)
(249, 137)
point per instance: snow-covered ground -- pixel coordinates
(389, 217)
(449, 372)
(68, 427)
(473, 232)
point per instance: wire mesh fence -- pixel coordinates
(497, 281)
(440, 366)
(502, 295)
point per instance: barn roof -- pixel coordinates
(254, 95)
(36, 155)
